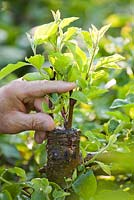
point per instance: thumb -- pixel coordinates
(18, 122)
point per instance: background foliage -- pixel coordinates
(109, 114)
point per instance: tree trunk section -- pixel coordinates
(63, 154)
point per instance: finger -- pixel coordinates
(40, 88)
(18, 122)
(38, 103)
(40, 137)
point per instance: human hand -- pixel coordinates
(19, 97)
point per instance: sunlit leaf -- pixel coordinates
(79, 55)
(43, 32)
(66, 21)
(94, 34)
(109, 61)
(37, 61)
(103, 30)
(70, 33)
(87, 38)
(56, 15)
(11, 68)
(99, 74)
(61, 62)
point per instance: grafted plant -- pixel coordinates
(69, 54)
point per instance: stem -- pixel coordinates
(63, 113)
(71, 108)
(5, 181)
(90, 69)
(96, 155)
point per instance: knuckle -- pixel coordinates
(42, 123)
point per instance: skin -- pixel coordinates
(19, 97)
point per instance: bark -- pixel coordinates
(63, 154)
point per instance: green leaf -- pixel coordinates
(103, 30)
(128, 101)
(59, 194)
(14, 189)
(119, 115)
(112, 125)
(49, 71)
(69, 33)
(41, 184)
(73, 74)
(10, 68)
(46, 108)
(109, 61)
(39, 195)
(130, 98)
(5, 195)
(82, 83)
(79, 96)
(44, 32)
(37, 61)
(19, 172)
(93, 92)
(33, 76)
(61, 62)
(111, 66)
(31, 40)
(98, 75)
(56, 15)
(74, 175)
(41, 189)
(85, 186)
(104, 167)
(66, 21)
(117, 103)
(79, 55)
(94, 34)
(87, 38)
